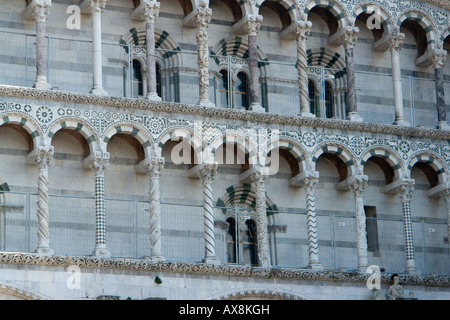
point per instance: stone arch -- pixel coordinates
(26, 123)
(433, 161)
(341, 152)
(259, 294)
(243, 194)
(444, 36)
(393, 159)
(133, 130)
(424, 22)
(189, 136)
(387, 21)
(301, 156)
(19, 293)
(244, 144)
(335, 8)
(286, 10)
(86, 130)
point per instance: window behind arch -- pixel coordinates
(242, 94)
(223, 89)
(242, 241)
(312, 91)
(329, 107)
(137, 81)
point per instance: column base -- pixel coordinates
(205, 103)
(353, 116)
(315, 266)
(99, 92)
(42, 84)
(443, 125)
(306, 115)
(153, 97)
(101, 252)
(402, 122)
(44, 251)
(257, 108)
(154, 259)
(211, 260)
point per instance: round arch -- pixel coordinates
(243, 194)
(259, 294)
(341, 152)
(244, 145)
(433, 160)
(334, 7)
(87, 131)
(294, 148)
(393, 159)
(386, 20)
(133, 130)
(188, 136)
(25, 122)
(424, 22)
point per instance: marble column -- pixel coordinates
(203, 19)
(253, 26)
(40, 13)
(395, 46)
(310, 182)
(358, 186)
(302, 31)
(99, 165)
(96, 8)
(154, 169)
(446, 195)
(44, 159)
(438, 58)
(151, 12)
(406, 191)
(349, 38)
(258, 180)
(206, 174)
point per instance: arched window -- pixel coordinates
(137, 81)
(312, 91)
(158, 80)
(223, 89)
(329, 105)
(241, 238)
(242, 94)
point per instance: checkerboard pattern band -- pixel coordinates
(100, 225)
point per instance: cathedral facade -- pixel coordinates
(224, 149)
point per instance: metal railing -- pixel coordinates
(72, 232)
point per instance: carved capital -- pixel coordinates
(253, 24)
(395, 42)
(96, 5)
(349, 37)
(302, 30)
(40, 9)
(207, 172)
(155, 166)
(310, 180)
(203, 17)
(438, 58)
(44, 157)
(407, 188)
(259, 175)
(151, 10)
(358, 185)
(99, 164)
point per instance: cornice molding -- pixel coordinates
(142, 265)
(220, 113)
(440, 3)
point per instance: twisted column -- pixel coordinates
(203, 19)
(395, 46)
(406, 191)
(100, 164)
(358, 186)
(206, 174)
(438, 58)
(310, 183)
(258, 179)
(253, 25)
(302, 32)
(349, 38)
(40, 13)
(151, 12)
(44, 159)
(96, 8)
(154, 169)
